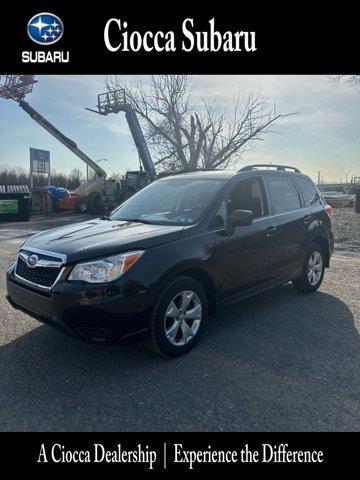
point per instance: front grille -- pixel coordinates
(44, 276)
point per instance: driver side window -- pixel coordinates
(247, 194)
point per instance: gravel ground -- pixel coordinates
(280, 361)
(346, 229)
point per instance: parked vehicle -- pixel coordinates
(164, 260)
(56, 194)
(105, 194)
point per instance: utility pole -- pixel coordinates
(319, 175)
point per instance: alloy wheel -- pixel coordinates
(182, 318)
(315, 268)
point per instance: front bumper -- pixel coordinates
(95, 313)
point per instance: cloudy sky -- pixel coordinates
(324, 136)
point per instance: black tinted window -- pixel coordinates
(308, 192)
(283, 194)
(248, 195)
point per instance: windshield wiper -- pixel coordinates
(136, 220)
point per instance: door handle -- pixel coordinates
(270, 231)
(307, 219)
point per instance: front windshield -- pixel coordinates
(169, 201)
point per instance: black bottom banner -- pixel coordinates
(181, 452)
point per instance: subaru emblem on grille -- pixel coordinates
(32, 261)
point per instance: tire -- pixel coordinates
(94, 203)
(313, 273)
(81, 207)
(183, 332)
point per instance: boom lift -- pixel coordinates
(70, 144)
(115, 102)
(100, 193)
(16, 87)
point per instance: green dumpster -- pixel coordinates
(14, 203)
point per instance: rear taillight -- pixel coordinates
(329, 210)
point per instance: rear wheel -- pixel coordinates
(313, 270)
(178, 317)
(81, 206)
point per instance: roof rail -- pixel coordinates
(191, 170)
(267, 166)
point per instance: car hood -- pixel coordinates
(97, 238)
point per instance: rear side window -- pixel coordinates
(308, 192)
(283, 194)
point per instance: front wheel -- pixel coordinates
(94, 203)
(178, 317)
(313, 270)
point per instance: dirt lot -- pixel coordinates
(279, 361)
(346, 228)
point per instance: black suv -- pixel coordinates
(167, 257)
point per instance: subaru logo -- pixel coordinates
(32, 261)
(45, 28)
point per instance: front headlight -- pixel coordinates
(106, 269)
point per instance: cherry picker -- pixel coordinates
(101, 193)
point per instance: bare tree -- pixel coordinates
(15, 175)
(187, 135)
(75, 176)
(12, 174)
(346, 172)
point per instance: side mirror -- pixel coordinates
(241, 218)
